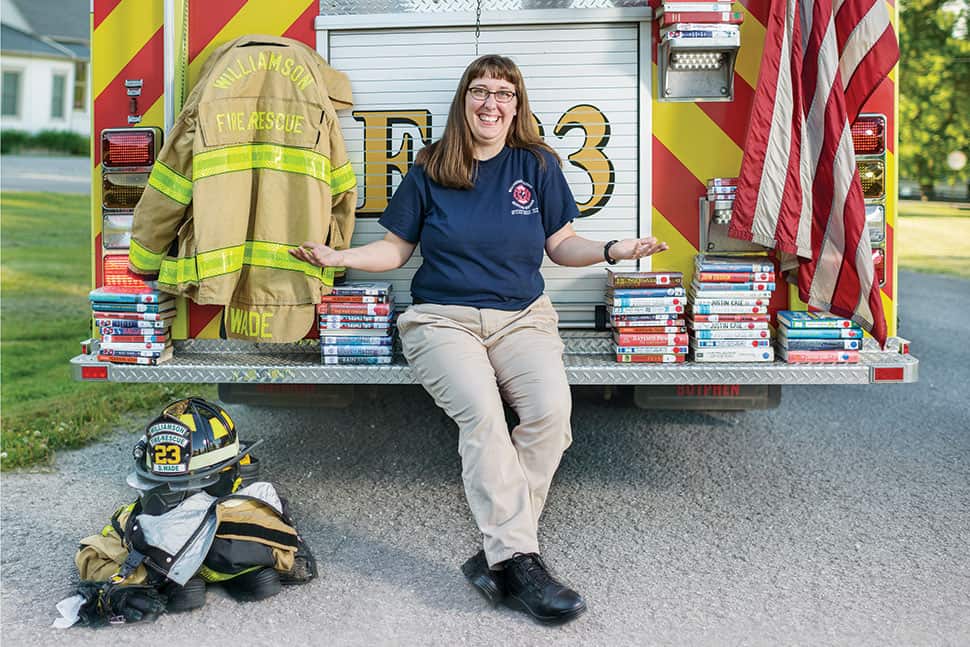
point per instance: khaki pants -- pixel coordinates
(471, 359)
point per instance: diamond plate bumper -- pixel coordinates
(588, 361)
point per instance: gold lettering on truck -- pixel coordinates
(380, 160)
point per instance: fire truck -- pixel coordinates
(640, 124)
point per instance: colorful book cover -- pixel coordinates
(131, 324)
(353, 350)
(819, 344)
(647, 339)
(731, 302)
(128, 295)
(357, 328)
(645, 292)
(136, 316)
(644, 310)
(372, 340)
(133, 339)
(703, 288)
(731, 294)
(728, 325)
(763, 354)
(148, 345)
(798, 319)
(620, 302)
(730, 317)
(355, 298)
(732, 334)
(110, 308)
(734, 277)
(164, 354)
(370, 288)
(730, 343)
(733, 263)
(125, 359)
(650, 350)
(643, 279)
(819, 356)
(355, 308)
(650, 330)
(673, 17)
(339, 359)
(650, 359)
(820, 333)
(710, 310)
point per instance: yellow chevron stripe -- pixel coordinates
(752, 45)
(679, 256)
(155, 116)
(696, 140)
(257, 17)
(122, 33)
(211, 329)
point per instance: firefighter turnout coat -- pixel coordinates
(254, 166)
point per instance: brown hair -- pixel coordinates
(450, 161)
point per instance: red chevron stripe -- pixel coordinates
(732, 116)
(111, 106)
(302, 28)
(881, 101)
(200, 316)
(102, 9)
(675, 192)
(207, 19)
(757, 9)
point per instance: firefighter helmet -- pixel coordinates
(187, 446)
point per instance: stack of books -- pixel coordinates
(681, 19)
(728, 302)
(357, 323)
(134, 324)
(721, 192)
(817, 337)
(646, 311)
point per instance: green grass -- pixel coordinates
(45, 274)
(934, 237)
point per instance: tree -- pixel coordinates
(934, 88)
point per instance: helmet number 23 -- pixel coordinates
(168, 454)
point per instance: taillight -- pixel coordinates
(128, 147)
(869, 135)
(872, 173)
(94, 372)
(876, 223)
(114, 268)
(116, 230)
(122, 190)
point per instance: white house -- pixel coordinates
(45, 54)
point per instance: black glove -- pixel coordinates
(106, 602)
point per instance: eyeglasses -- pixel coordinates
(481, 94)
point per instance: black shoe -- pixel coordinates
(185, 598)
(531, 588)
(487, 581)
(254, 585)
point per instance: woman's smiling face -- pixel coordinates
(489, 119)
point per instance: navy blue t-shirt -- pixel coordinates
(482, 247)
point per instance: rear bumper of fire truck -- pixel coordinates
(588, 361)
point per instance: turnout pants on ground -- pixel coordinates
(469, 360)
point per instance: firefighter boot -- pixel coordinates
(531, 588)
(255, 585)
(488, 582)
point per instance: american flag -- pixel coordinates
(799, 188)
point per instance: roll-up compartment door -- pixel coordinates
(583, 87)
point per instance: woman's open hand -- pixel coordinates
(634, 248)
(318, 254)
